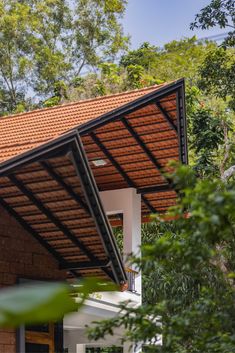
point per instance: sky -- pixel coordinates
(161, 21)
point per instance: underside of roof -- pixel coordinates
(53, 195)
(53, 189)
(137, 148)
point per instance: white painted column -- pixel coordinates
(127, 202)
(71, 337)
(81, 348)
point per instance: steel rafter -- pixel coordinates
(166, 116)
(144, 148)
(63, 228)
(65, 186)
(80, 161)
(85, 265)
(182, 126)
(153, 189)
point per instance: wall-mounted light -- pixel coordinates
(99, 162)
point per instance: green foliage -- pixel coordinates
(145, 66)
(218, 13)
(182, 59)
(177, 59)
(191, 263)
(146, 56)
(218, 74)
(48, 43)
(210, 133)
(40, 303)
(206, 138)
(134, 76)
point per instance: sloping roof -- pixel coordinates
(66, 218)
(137, 133)
(22, 132)
(54, 195)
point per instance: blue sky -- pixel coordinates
(160, 21)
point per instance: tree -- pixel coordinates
(146, 56)
(217, 75)
(145, 66)
(218, 13)
(218, 69)
(195, 267)
(45, 44)
(176, 60)
(217, 72)
(210, 133)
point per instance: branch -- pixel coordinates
(81, 66)
(227, 147)
(228, 173)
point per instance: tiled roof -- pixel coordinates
(22, 132)
(51, 190)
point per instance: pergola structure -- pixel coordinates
(54, 162)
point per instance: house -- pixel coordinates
(67, 175)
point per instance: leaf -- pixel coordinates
(40, 303)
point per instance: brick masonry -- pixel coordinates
(21, 256)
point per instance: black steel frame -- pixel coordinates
(128, 108)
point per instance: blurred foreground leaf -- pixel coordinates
(40, 303)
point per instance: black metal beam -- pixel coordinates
(167, 117)
(91, 192)
(113, 161)
(84, 265)
(141, 144)
(52, 217)
(152, 189)
(144, 148)
(182, 126)
(35, 235)
(65, 186)
(128, 108)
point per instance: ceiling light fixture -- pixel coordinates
(99, 162)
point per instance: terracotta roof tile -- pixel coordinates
(22, 132)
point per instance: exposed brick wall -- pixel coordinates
(21, 256)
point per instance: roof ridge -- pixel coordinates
(82, 101)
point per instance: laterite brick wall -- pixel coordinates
(21, 256)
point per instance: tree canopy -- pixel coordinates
(46, 44)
